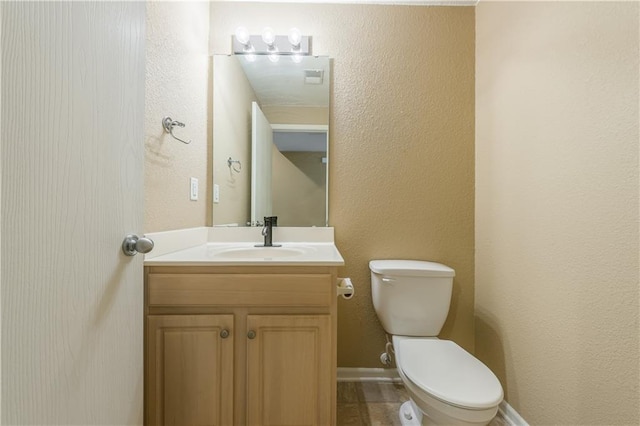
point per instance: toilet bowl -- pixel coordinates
(447, 385)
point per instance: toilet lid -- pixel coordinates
(449, 373)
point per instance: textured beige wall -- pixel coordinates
(177, 85)
(557, 208)
(299, 185)
(401, 144)
(232, 138)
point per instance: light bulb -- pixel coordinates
(273, 57)
(268, 36)
(296, 58)
(295, 37)
(242, 35)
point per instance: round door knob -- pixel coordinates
(251, 334)
(224, 333)
(132, 245)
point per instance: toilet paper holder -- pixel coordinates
(345, 288)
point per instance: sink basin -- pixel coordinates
(260, 252)
(245, 253)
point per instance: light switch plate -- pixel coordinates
(193, 195)
(216, 193)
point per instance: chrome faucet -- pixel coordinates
(267, 231)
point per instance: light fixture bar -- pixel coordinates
(281, 43)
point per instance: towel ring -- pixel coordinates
(232, 165)
(169, 124)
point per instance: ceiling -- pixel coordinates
(300, 141)
(283, 83)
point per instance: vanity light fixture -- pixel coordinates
(269, 43)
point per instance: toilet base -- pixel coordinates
(410, 415)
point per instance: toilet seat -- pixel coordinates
(448, 373)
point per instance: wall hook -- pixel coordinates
(169, 124)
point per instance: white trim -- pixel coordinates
(368, 375)
(308, 128)
(510, 415)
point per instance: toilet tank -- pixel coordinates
(411, 297)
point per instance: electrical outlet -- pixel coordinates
(193, 193)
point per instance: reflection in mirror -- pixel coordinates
(272, 117)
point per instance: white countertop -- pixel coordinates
(237, 247)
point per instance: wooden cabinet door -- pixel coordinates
(189, 370)
(289, 370)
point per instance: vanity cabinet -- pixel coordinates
(252, 345)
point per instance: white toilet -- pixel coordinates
(447, 385)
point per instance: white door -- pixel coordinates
(261, 146)
(71, 161)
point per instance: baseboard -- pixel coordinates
(368, 375)
(510, 415)
(505, 411)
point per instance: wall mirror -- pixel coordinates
(270, 139)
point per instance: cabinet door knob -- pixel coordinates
(224, 333)
(251, 334)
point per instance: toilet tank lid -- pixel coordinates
(415, 268)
